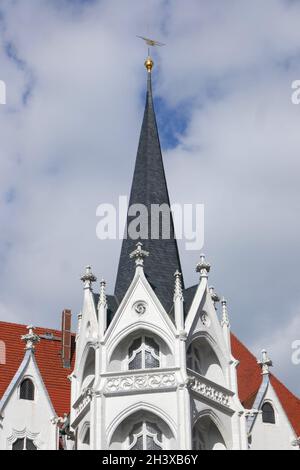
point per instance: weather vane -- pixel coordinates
(150, 43)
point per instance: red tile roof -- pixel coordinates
(249, 381)
(48, 357)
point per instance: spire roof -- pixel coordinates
(149, 187)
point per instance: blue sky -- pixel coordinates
(69, 133)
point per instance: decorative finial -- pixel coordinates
(214, 296)
(178, 294)
(149, 64)
(139, 254)
(88, 278)
(265, 363)
(150, 43)
(30, 339)
(203, 267)
(225, 316)
(102, 296)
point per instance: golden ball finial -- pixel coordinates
(149, 64)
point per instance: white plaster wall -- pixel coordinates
(33, 416)
(277, 436)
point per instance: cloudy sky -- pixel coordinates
(230, 133)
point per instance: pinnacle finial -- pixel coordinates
(265, 363)
(203, 267)
(88, 278)
(178, 294)
(30, 339)
(225, 316)
(102, 296)
(139, 254)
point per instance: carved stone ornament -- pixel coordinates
(140, 382)
(205, 320)
(140, 307)
(213, 393)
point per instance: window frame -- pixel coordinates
(143, 348)
(269, 404)
(144, 433)
(192, 357)
(24, 439)
(34, 390)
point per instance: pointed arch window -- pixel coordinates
(24, 444)
(194, 359)
(198, 441)
(268, 414)
(145, 436)
(27, 390)
(143, 354)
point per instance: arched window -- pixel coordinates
(145, 436)
(24, 444)
(198, 440)
(27, 390)
(268, 414)
(194, 359)
(88, 375)
(143, 354)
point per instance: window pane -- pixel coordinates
(154, 429)
(151, 445)
(18, 444)
(150, 361)
(30, 445)
(135, 345)
(152, 344)
(136, 362)
(268, 415)
(86, 439)
(139, 444)
(27, 390)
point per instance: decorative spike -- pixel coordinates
(31, 339)
(102, 296)
(178, 293)
(139, 254)
(88, 278)
(203, 267)
(225, 316)
(265, 363)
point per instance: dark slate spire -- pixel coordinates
(149, 187)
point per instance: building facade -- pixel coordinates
(153, 366)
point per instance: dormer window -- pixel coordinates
(143, 354)
(27, 390)
(268, 414)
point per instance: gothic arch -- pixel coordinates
(84, 436)
(153, 330)
(132, 410)
(87, 364)
(213, 344)
(210, 363)
(215, 435)
(22, 434)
